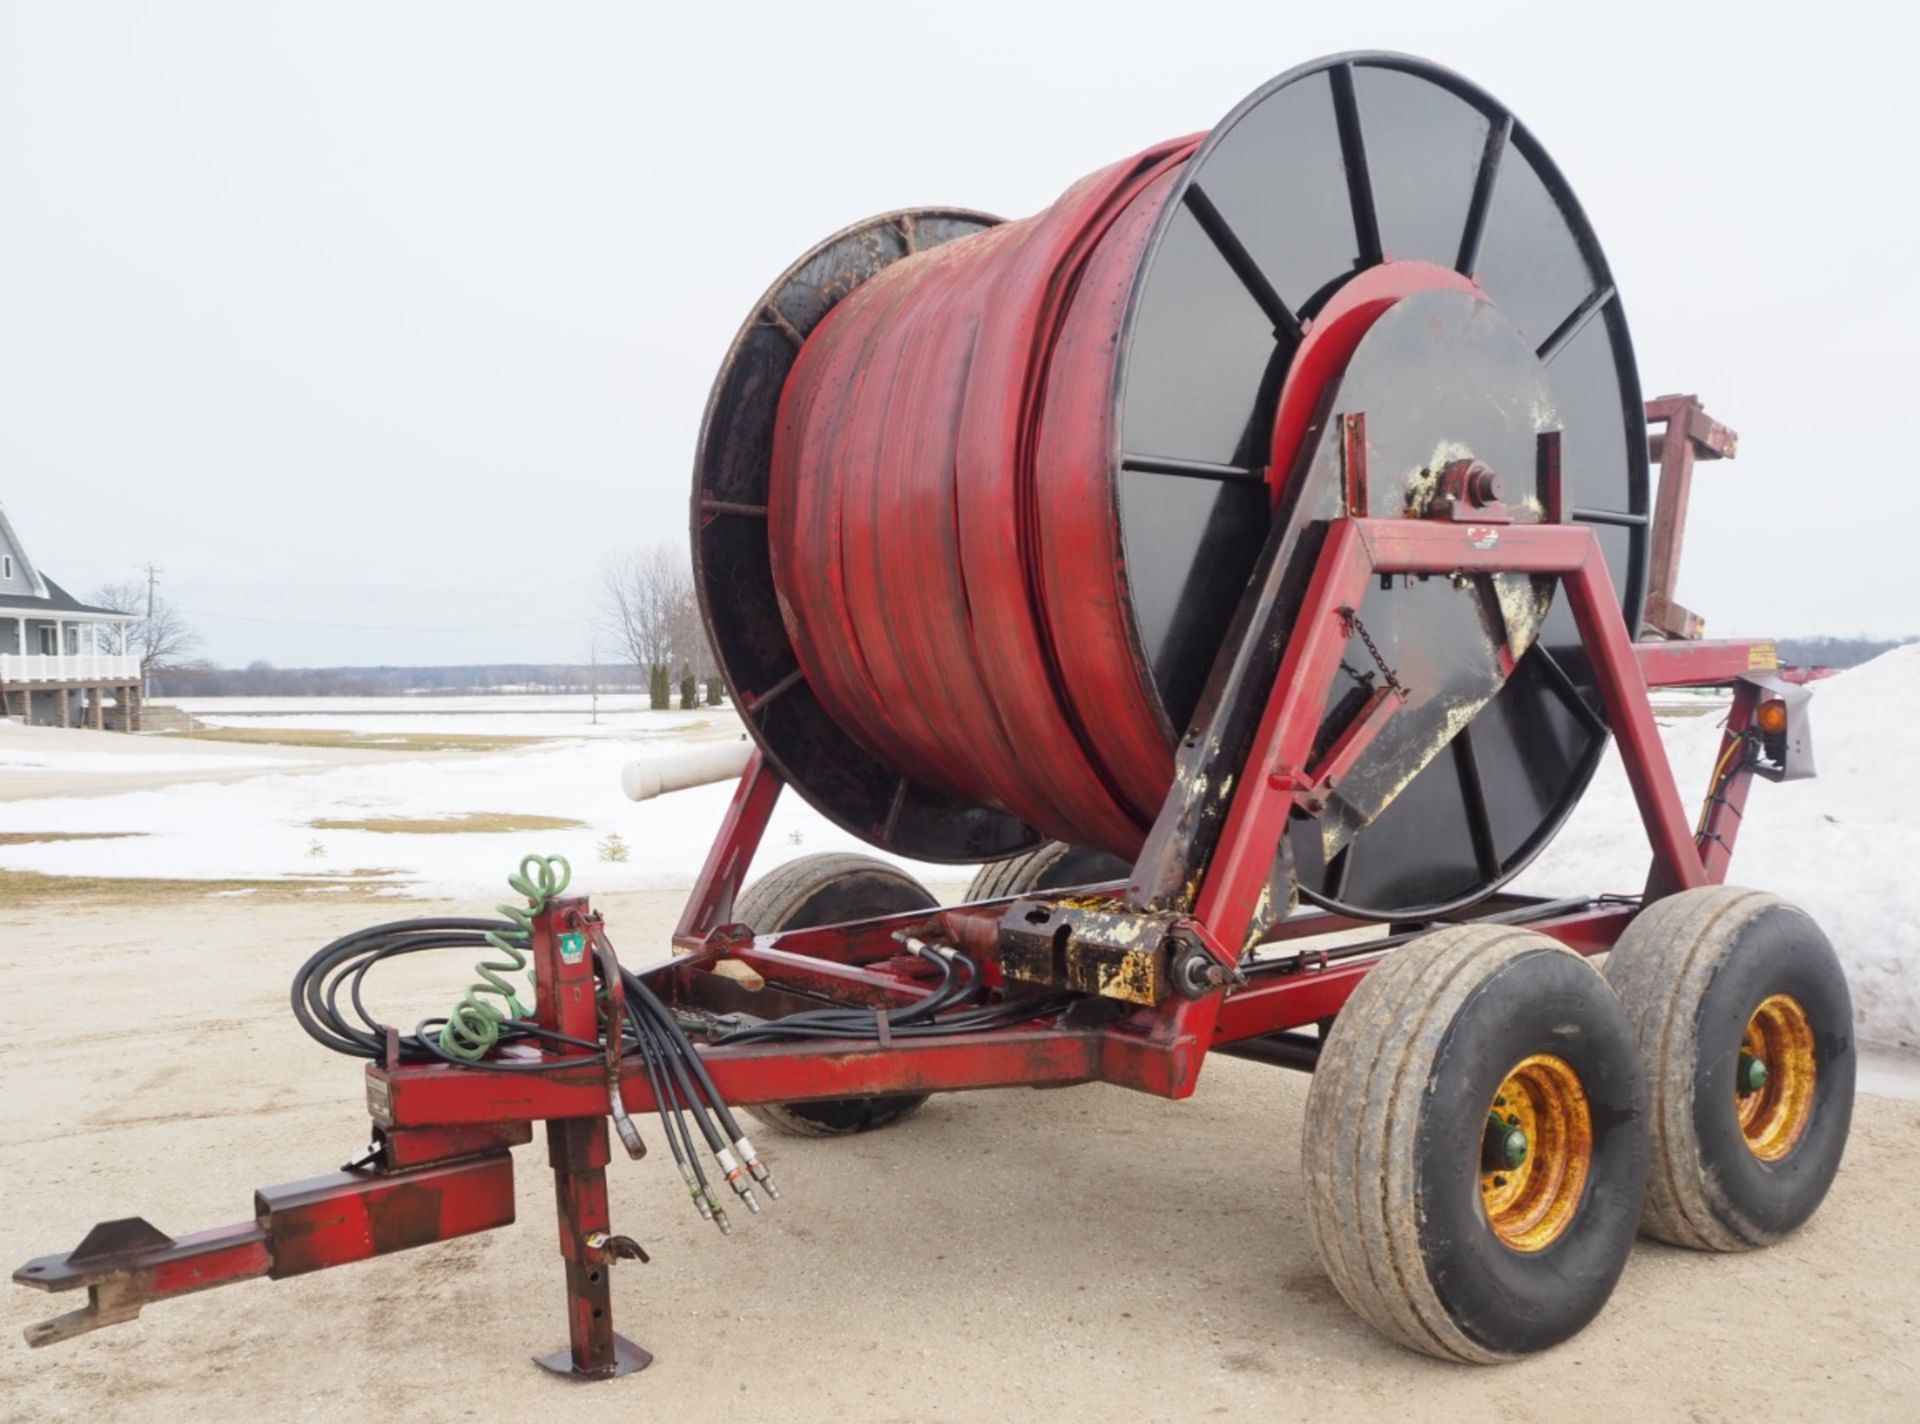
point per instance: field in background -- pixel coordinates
(440, 796)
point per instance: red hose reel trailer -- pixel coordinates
(1267, 521)
(998, 507)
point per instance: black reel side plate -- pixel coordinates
(733, 571)
(1327, 172)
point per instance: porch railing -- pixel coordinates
(69, 667)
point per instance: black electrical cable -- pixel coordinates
(315, 996)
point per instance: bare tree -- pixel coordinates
(651, 615)
(160, 636)
(692, 654)
(643, 594)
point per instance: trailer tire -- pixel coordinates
(1706, 976)
(1429, 1243)
(1053, 866)
(823, 890)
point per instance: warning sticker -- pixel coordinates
(1763, 656)
(573, 948)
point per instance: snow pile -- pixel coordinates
(1845, 846)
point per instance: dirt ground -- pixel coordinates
(1077, 1254)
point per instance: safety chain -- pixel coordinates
(1351, 618)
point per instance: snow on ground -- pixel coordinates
(15, 756)
(507, 714)
(1845, 846)
(259, 827)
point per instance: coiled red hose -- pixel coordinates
(943, 517)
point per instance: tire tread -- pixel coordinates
(1361, 1137)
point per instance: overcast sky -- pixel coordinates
(401, 315)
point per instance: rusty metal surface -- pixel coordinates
(343, 1217)
(1090, 945)
(126, 1264)
(401, 1149)
(1689, 434)
(1704, 662)
(297, 1227)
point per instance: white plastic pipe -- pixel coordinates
(696, 766)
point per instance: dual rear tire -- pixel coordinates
(1492, 1120)
(824, 890)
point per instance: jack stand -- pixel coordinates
(578, 1149)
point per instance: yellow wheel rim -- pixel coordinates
(1773, 1087)
(1535, 1153)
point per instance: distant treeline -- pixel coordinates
(263, 679)
(1835, 652)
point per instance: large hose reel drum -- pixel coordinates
(976, 502)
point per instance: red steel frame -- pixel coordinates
(1159, 1049)
(445, 1131)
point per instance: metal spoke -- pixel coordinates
(1353, 157)
(1194, 469)
(1227, 243)
(1498, 136)
(1339, 872)
(786, 684)
(893, 810)
(1575, 323)
(1620, 518)
(1473, 793)
(1568, 691)
(779, 323)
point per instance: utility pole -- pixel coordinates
(146, 632)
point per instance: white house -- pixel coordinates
(60, 659)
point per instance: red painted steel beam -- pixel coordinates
(1420, 546)
(343, 1217)
(1726, 805)
(1276, 1003)
(710, 904)
(120, 1281)
(1703, 663)
(1689, 434)
(332, 1220)
(1276, 766)
(1623, 692)
(435, 1095)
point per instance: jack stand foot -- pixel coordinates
(627, 1359)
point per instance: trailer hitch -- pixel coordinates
(297, 1227)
